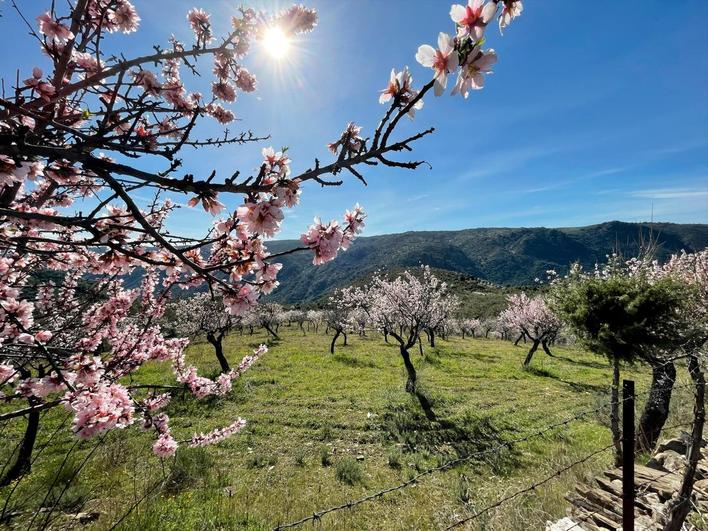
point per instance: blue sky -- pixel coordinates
(596, 111)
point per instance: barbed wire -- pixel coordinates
(531, 487)
(317, 515)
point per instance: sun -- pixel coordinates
(276, 42)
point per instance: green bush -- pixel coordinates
(349, 471)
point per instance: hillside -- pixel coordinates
(507, 256)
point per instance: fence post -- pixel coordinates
(628, 455)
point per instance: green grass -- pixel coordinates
(325, 429)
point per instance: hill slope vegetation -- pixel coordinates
(507, 256)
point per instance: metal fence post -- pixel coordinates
(628, 455)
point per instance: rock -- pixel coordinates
(564, 524)
(667, 460)
(86, 517)
(359, 457)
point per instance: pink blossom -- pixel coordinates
(43, 336)
(124, 17)
(239, 301)
(276, 163)
(221, 115)
(147, 80)
(154, 403)
(201, 25)
(223, 90)
(511, 10)
(45, 90)
(86, 61)
(97, 411)
(350, 141)
(471, 75)
(54, 30)
(245, 80)
(473, 18)
(11, 173)
(324, 240)
(297, 19)
(217, 435)
(209, 201)
(7, 373)
(261, 218)
(400, 89)
(443, 61)
(165, 446)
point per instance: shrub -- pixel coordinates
(349, 471)
(325, 457)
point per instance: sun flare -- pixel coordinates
(276, 42)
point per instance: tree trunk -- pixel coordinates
(271, 332)
(614, 412)
(656, 409)
(431, 336)
(516, 343)
(219, 351)
(680, 505)
(420, 346)
(385, 336)
(331, 347)
(23, 463)
(547, 350)
(410, 370)
(529, 356)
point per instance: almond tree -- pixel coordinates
(268, 316)
(315, 318)
(403, 308)
(691, 270)
(337, 315)
(533, 318)
(202, 315)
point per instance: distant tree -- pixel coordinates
(403, 308)
(268, 315)
(441, 316)
(203, 315)
(469, 327)
(315, 318)
(298, 317)
(337, 315)
(533, 318)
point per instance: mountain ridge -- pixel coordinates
(502, 255)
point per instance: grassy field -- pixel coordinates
(326, 429)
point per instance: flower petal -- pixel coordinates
(425, 55)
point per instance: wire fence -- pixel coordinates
(317, 515)
(46, 518)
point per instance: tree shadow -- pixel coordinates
(589, 364)
(575, 386)
(353, 361)
(475, 436)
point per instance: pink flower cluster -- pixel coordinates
(217, 435)
(99, 410)
(327, 239)
(463, 51)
